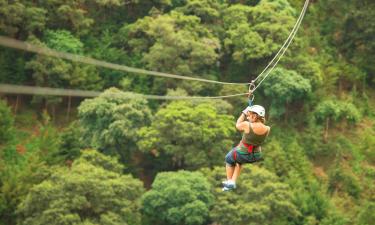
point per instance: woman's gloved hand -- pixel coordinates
(245, 111)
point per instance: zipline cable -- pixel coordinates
(13, 43)
(33, 90)
(283, 52)
(288, 40)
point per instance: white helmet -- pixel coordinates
(258, 109)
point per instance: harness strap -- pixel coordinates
(249, 147)
(250, 150)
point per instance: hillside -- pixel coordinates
(121, 158)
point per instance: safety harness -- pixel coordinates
(250, 150)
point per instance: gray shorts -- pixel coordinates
(235, 156)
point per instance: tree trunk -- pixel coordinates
(16, 106)
(45, 106)
(53, 112)
(364, 87)
(69, 108)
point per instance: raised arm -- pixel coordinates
(241, 124)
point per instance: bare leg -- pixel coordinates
(236, 173)
(230, 171)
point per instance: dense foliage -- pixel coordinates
(110, 122)
(178, 198)
(6, 123)
(261, 198)
(91, 191)
(191, 136)
(162, 162)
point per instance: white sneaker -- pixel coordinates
(229, 184)
(226, 189)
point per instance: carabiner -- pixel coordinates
(251, 99)
(251, 95)
(251, 87)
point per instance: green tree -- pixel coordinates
(6, 123)
(92, 191)
(63, 40)
(287, 159)
(190, 135)
(71, 143)
(20, 18)
(336, 218)
(109, 47)
(59, 73)
(260, 198)
(10, 15)
(47, 141)
(68, 15)
(256, 32)
(342, 179)
(208, 11)
(174, 43)
(351, 33)
(18, 173)
(367, 144)
(310, 199)
(333, 111)
(12, 66)
(178, 198)
(306, 64)
(54, 72)
(284, 87)
(25, 162)
(163, 35)
(111, 121)
(366, 215)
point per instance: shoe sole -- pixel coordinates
(224, 189)
(230, 186)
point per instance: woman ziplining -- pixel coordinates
(254, 132)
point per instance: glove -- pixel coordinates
(245, 111)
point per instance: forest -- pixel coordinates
(115, 159)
